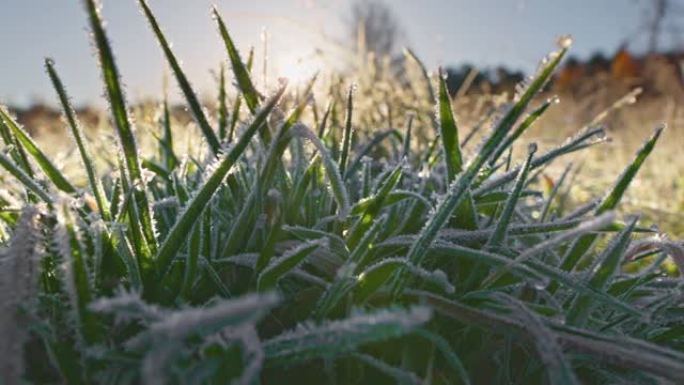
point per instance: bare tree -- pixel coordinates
(661, 17)
(655, 24)
(374, 27)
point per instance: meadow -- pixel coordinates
(349, 230)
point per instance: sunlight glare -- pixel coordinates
(298, 68)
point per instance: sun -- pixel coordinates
(297, 68)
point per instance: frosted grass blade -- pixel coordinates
(183, 83)
(77, 133)
(347, 135)
(583, 244)
(122, 122)
(282, 265)
(222, 106)
(504, 219)
(448, 132)
(249, 93)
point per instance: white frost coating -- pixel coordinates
(127, 305)
(182, 323)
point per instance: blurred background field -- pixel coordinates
(630, 88)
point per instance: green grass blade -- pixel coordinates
(191, 263)
(611, 201)
(166, 151)
(583, 244)
(364, 246)
(347, 135)
(50, 170)
(239, 70)
(375, 204)
(504, 219)
(324, 121)
(183, 83)
(448, 130)
(371, 279)
(110, 75)
(270, 276)
(122, 123)
(406, 144)
(77, 132)
(222, 106)
(432, 99)
(527, 123)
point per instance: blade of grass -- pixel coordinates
(183, 83)
(448, 130)
(504, 219)
(583, 244)
(222, 106)
(527, 123)
(269, 277)
(122, 123)
(347, 135)
(76, 131)
(249, 93)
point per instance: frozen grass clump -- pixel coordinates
(276, 253)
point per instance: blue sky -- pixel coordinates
(442, 32)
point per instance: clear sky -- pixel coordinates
(443, 32)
